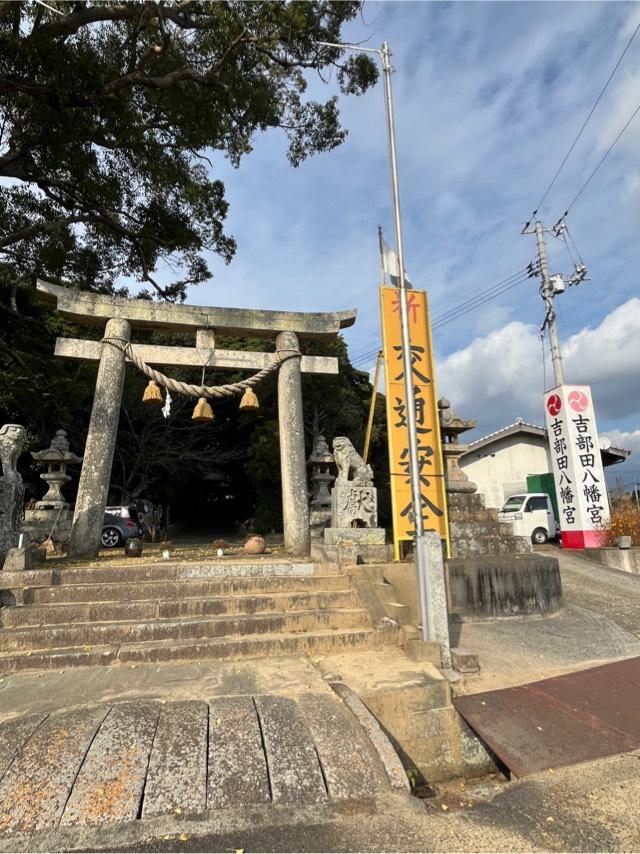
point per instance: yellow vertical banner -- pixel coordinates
(430, 461)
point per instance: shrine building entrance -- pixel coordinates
(119, 317)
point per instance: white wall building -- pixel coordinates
(499, 463)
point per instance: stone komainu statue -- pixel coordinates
(11, 442)
(351, 466)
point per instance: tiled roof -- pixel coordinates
(610, 455)
(518, 426)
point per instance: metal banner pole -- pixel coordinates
(420, 550)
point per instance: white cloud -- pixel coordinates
(474, 85)
(498, 377)
(627, 439)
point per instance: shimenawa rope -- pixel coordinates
(177, 387)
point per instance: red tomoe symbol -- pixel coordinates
(578, 401)
(554, 404)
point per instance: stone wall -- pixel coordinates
(626, 560)
(499, 586)
(475, 530)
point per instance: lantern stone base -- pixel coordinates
(40, 523)
(363, 536)
(11, 503)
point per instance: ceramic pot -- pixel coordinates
(220, 552)
(255, 545)
(166, 554)
(133, 548)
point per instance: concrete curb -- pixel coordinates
(388, 756)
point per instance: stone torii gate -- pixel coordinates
(117, 316)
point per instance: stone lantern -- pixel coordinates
(58, 457)
(473, 528)
(451, 427)
(52, 513)
(320, 464)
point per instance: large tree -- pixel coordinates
(109, 112)
(112, 116)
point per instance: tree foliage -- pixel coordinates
(110, 113)
(112, 118)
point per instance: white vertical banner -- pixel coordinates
(583, 503)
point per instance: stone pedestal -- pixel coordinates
(352, 503)
(354, 535)
(362, 536)
(39, 524)
(11, 511)
(475, 529)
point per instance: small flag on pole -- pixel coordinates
(389, 264)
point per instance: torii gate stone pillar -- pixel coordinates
(295, 504)
(93, 487)
(121, 315)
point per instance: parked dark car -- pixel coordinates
(120, 524)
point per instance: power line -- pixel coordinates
(600, 162)
(360, 354)
(584, 124)
(365, 357)
(488, 298)
(482, 293)
(480, 298)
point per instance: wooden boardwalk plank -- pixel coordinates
(37, 784)
(13, 734)
(294, 767)
(177, 776)
(111, 781)
(351, 767)
(237, 763)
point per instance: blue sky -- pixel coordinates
(488, 98)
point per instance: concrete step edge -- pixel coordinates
(35, 615)
(106, 654)
(208, 597)
(191, 579)
(302, 612)
(299, 579)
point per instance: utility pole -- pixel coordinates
(547, 293)
(551, 286)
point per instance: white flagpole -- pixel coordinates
(420, 544)
(382, 264)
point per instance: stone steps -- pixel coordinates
(161, 571)
(320, 642)
(136, 631)
(129, 591)
(159, 608)
(167, 612)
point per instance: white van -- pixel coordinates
(531, 515)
